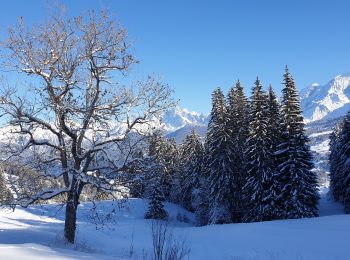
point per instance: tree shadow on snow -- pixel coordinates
(30, 231)
(46, 230)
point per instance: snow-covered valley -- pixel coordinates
(35, 233)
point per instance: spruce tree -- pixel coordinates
(173, 170)
(202, 198)
(156, 208)
(336, 161)
(339, 163)
(274, 129)
(163, 155)
(158, 176)
(5, 194)
(201, 202)
(237, 126)
(260, 187)
(219, 157)
(192, 153)
(298, 196)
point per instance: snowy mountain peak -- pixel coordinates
(177, 118)
(326, 101)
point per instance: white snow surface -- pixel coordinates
(36, 233)
(321, 148)
(320, 134)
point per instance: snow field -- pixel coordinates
(36, 233)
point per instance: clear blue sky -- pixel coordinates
(199, 45)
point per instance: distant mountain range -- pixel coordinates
(179, 122)
(325, 102)
(177, 118)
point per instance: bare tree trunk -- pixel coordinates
(71, 213)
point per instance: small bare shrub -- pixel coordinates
(166, 246)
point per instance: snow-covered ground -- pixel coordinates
(36, 233)
(320, 134)
(321, 148)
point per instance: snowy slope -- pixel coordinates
(326, 101)
(180, 134)
(35, 234)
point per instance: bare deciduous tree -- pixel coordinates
(69, 117)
